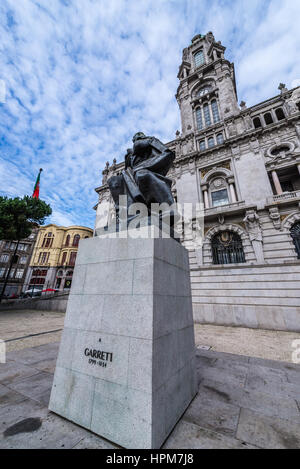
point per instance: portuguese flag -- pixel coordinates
(36, 192)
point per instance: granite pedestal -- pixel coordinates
(126, 365)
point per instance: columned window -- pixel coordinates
(215, 111)
(227, 248)
(219, 190)
(219, 198)
(199, 118)
(295, 233)
(207, 115)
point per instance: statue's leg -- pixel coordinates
(153, 188)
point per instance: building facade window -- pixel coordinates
(64, 258)
(220, 139)
(2, 271)
(280, 114)
(219, 198)
(73, 256)
(199, 118)
(295, 233)
(76, 240)
(268, 118)
(211, 142)
(19, 273)
(68, 239)
(257, 123)
(48, 240)
(23, 260)
(199, 58)
(4, 258)
(44, 257)
(202, 145)
(207, 115)
(12, 273)
(215, 111)
(227, 248)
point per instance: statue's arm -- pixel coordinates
(159, 164)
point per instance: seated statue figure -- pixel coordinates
(144, 178)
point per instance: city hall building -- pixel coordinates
(243, 164)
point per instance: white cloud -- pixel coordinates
(83, 76)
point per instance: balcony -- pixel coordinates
(286, 197)
(232, 208)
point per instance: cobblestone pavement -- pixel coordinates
(242, 402)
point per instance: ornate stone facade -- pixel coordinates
(243, 164)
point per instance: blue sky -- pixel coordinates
(82, 76)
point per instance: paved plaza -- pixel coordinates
(243, 402)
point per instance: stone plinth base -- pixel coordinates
(126, 365)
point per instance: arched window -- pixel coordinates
(199, 58)
(73, 256)
(206, 114)
(64, 258)
(68, 240)
(280, 114)
(48, 240)
(199, 118)
(227, 248)
(220, 139)
(76, 240)
(257, 123)
(215, 111)
(211, 142)
(202, 145)
(295, 233)
(268, 118)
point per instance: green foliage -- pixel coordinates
(18, 216)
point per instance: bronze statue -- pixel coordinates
(144, 178)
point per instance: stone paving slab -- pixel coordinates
(242, 402)
(257, 401)
(267, 432)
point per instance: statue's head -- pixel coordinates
(138, 136)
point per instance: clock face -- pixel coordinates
(204, 91)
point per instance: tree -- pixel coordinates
(17, 219)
